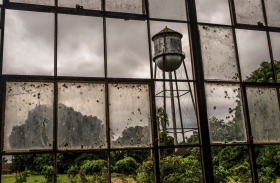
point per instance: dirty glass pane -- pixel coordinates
(225, 113)
(82, 167)
(275, 43)
(129, 115)
(39, 2)
(213, 11)
(176, 118)
(81, 116)
(264, 114)
(218, 53)
(80, 47)
(249, 12)
(31, 165)
(272, 12)
(132, 166)
(180, 165)
(128, 53)
(231, 164)
(86, 4)
(267, 159)
(28, 116)
(254, 55)
(29, 43)
(168, 9)
(181, 73)
(125, 6)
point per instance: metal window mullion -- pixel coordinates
(200, 95)
(108, 136)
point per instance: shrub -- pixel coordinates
(22, 177)
(145, 173)
(93, 167)
(126, 166)
(48, 173)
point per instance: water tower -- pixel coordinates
(169, 57)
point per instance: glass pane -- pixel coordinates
(275, 43)
(225, 113)
(249, 12)
(80, 47)
(181, 72)
(86, 4)
(81, 116)
(82, 167)
(254, 56)
(30, 167)
(28, 116)
(264, 114)
(176, 119)
(267, 158)
(168, 9)
(272, 11)
(132, 166)
(128, 54)
(125, 6)
(39, 2)
(129, 115)
(213, 11)
(183, 165)
(29, 43)
(218, 53)
(231, 164)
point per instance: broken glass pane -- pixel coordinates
(168, 9)
(176, 118)
(28, 116)
(181, 165)
(128, 163)
(249, 12)
(181, 73)
(82, 167)
(39, 2)
(264, 114)
(272, 12)
(125, 6)
(218, 53)
(84, 4)
(225, 113)
(128, 54)
(231, 161)
(254, 55)
(29, 43)
(81, 116)
(129, 115)
(213, 11)
(80, 47)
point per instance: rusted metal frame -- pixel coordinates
(214, 25)
(108, 137)
(207, 164)
(155, 140)
(167, 20)
(179, 80)
(55, 98)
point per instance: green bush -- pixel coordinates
(93, 167)
(145, 173)
(126, 166)
(22, 177)
(48, 173)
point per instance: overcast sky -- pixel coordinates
(29, 42)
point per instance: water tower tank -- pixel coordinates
(168, 50)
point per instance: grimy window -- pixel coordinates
(87, 94)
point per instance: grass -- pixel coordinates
(62, 178)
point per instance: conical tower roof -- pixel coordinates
(167, 31)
